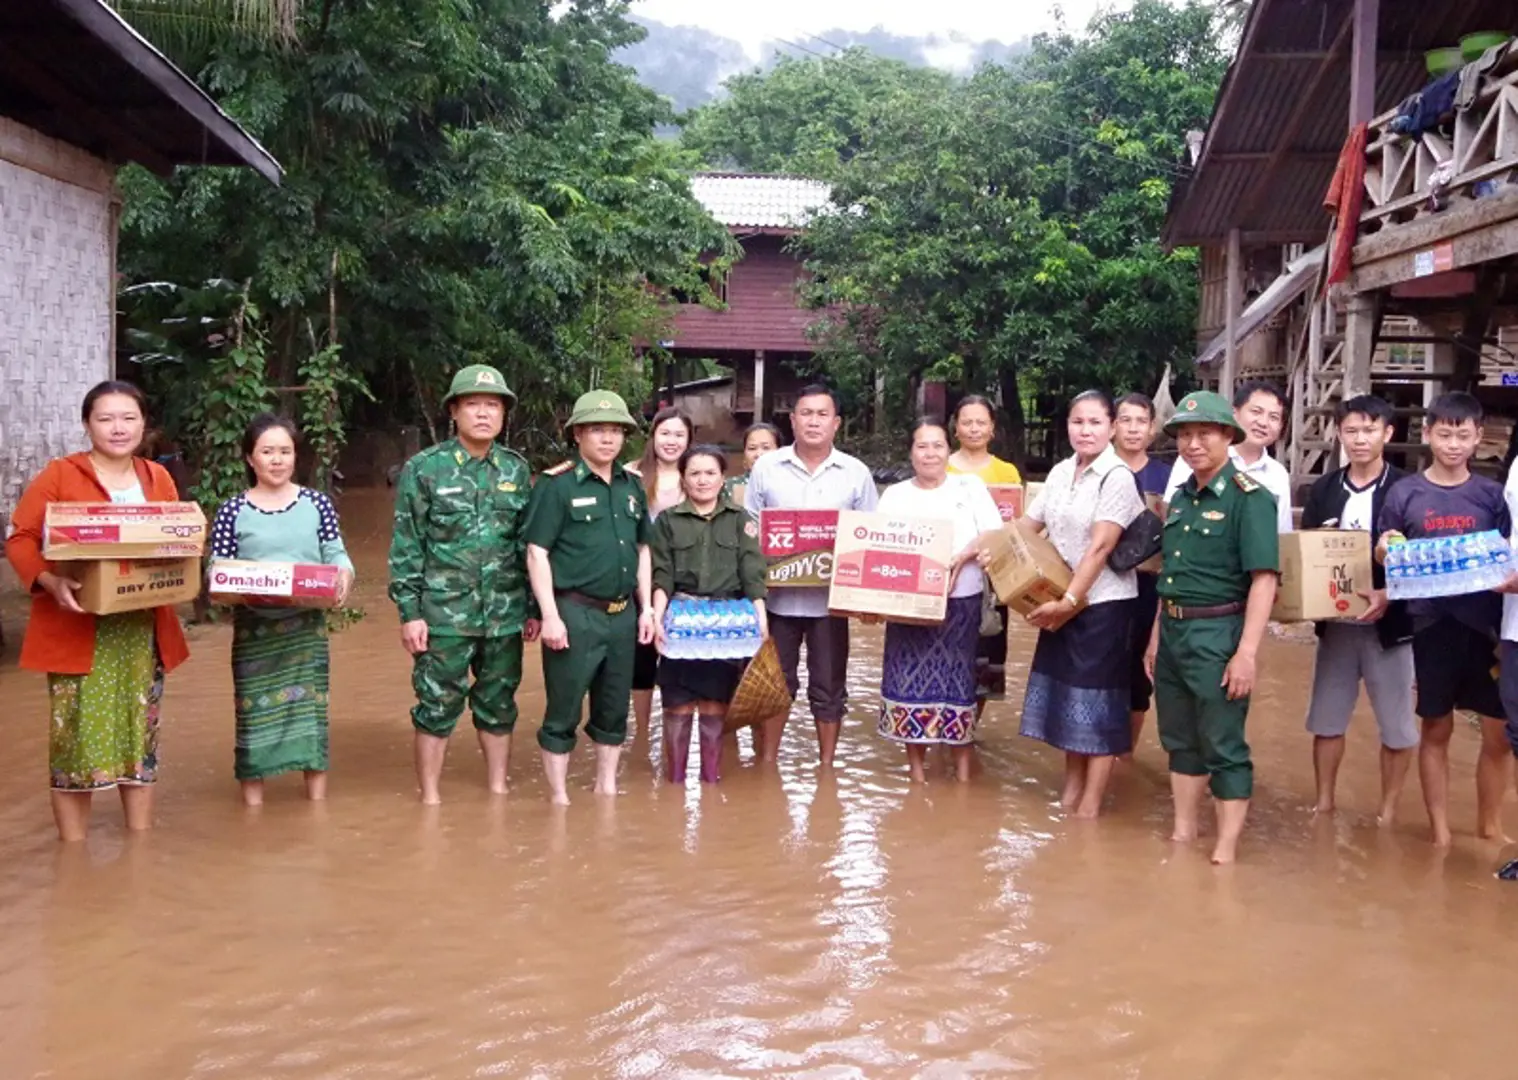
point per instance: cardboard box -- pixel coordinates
(892, 566)
(1030, 492)
(1321, 569)
(799, 546)
(1008, 499)
(122, 531)
(111, 586)
(274, 584)
(1025, 569)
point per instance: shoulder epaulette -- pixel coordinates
(560, 469)
(1246, 484)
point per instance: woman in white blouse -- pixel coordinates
(1077, 694)
(927, 685)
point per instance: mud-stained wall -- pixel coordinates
(57, 257)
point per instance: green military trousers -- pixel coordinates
(440, 677)
(599, 660)
(1201, 730)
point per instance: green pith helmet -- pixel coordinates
(479, 379)
(601, 407)
(1204, 407)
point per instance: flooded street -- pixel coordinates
(783, 924)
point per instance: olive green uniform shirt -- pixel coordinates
(715, 555)
(457, 555)
(1216, 537)
(591, 529)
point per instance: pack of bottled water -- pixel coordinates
(1447, 565)
(699, 628)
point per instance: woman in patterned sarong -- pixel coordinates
(1077, 696)
(280, 669)
(927, 685)
(104, 672)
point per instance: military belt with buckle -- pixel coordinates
(611, 607)
(1214, 611)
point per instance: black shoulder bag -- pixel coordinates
(1141, 540)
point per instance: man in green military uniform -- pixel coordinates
(458, 576)
(1216, 590)
(588, 561)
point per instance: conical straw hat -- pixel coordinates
(761, 692)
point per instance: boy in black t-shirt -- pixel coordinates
(1454, 637)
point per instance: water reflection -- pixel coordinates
(787, 923)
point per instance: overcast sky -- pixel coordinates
(752, 23)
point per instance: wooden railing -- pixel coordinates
(1407, 175)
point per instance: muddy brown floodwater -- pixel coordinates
(785, 924)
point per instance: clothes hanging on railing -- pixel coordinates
(1427, 109)
(1473, 73)
(1346, 195)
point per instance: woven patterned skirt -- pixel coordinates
(105, 724)
(927, 683)
(281, 673)
(1077, 697)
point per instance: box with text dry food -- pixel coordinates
(273, 584)
(798, 545)
(73, 530)
(111, 586)
(892, 566)
(1008, 499)
(1024, 567)
(1322, 573)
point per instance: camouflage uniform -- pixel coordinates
(458, 561)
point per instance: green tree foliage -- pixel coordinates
(466, 182)
(999, 231)
(807, 116)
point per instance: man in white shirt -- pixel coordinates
(810, 474)
(1260, 408)
(1507, 678)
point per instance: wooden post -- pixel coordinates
(1359, 343)
(759, 410)
(1362, 66)
(1232, 305)
(1440, 360)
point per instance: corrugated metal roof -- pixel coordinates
(76, 71)
(741, 200)
(1286, 43)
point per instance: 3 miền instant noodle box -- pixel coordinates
(111, 586)
(1322, 573)
(798, 545)
(274, 584)
(893, 566)
(158, 530)
(1025, 569)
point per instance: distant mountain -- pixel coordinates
(684, 63)
(688, 65)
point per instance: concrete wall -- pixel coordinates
(57, 261)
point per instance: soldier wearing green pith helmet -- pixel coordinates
(1216, 588)
(458, 576)
(587, 556)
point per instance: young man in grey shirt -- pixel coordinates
(810, 474)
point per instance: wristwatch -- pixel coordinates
(1074, 601)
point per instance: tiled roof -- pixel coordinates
(759, 202)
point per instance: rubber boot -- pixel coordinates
(676, 746)
(711, 749)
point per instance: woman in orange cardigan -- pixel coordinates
(104, 673)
